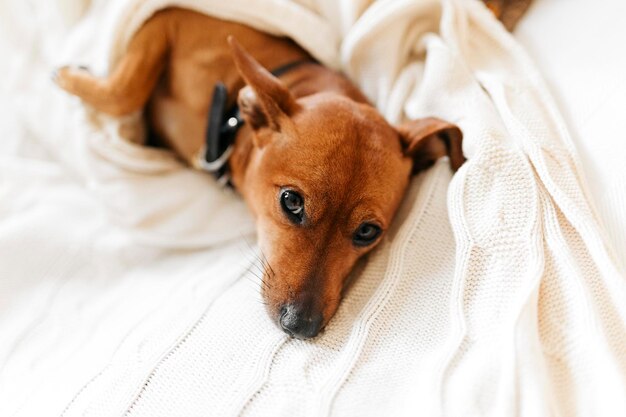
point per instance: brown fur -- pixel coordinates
(311, 131)
(509, 12)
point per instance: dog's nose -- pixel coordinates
(299, 323)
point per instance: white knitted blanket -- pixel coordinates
(124, 285)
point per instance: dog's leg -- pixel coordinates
(128, 88)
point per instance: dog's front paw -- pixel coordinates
(65, 76)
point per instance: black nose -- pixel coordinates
(299, 322)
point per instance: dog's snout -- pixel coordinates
(300, 323)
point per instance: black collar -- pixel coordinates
(223, 125)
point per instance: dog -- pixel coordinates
(320, 169)
(509, 12)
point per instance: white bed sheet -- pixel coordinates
(586, 77)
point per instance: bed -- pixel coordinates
(499, 292)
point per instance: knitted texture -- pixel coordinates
(130, 279)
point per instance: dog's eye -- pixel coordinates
(366, 234)
(293, 205)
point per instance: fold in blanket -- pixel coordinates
(495, 294)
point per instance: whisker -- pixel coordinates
(258, 268)
(264, 259)
(254, 263)
(259, 264)
(267, 261)
(268, 268)
(257, 257)
(253, 275)
(253, 260)
(257, 285)
(261, 282)
(265, 269)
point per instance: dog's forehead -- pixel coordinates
(335, 134)
(342, 142)
(344, 155)
(344, 129)
(334, 117)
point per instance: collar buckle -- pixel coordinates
(222, 128)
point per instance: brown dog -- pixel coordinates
(509, 12)
(319, 167)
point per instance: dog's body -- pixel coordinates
(192, 50)
(319, 167)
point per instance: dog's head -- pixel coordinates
(324, 179)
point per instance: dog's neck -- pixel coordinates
(305, 80)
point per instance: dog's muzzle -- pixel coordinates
(299, 322)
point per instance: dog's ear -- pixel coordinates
(426, 140)
(265, 102)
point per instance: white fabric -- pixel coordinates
(123, 277)
(584, 71)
